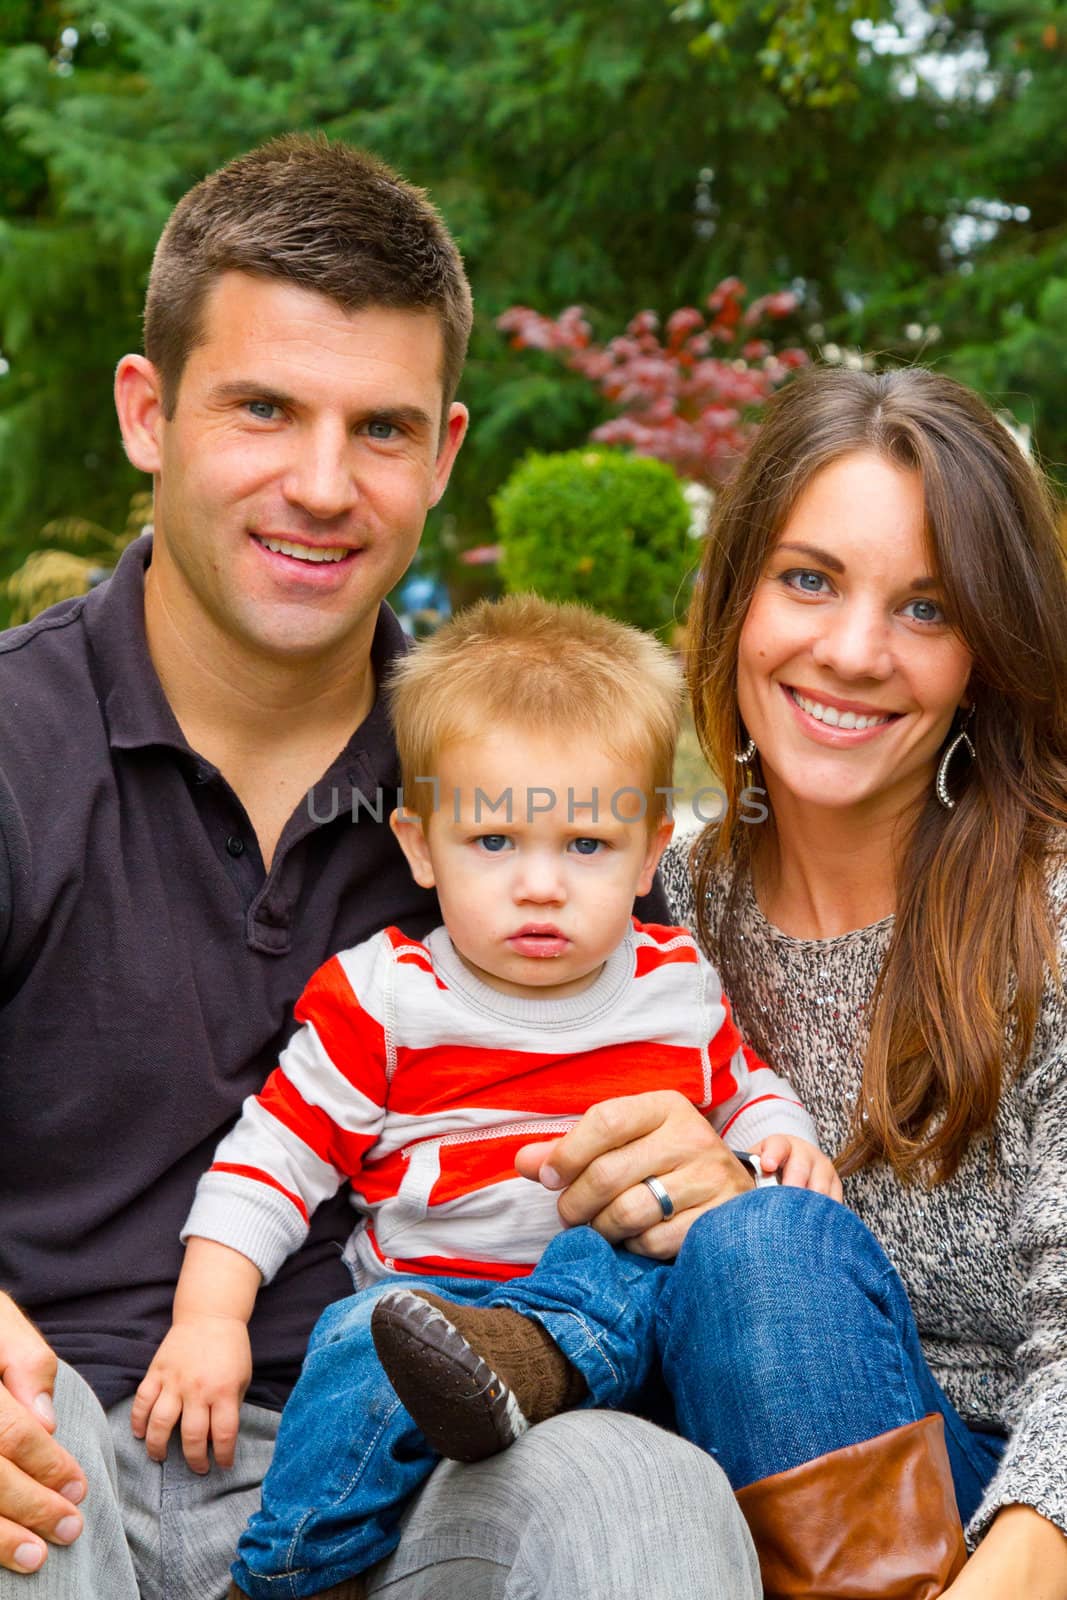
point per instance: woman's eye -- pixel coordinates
(493, 843)
(806, 581)
(262, 410)
(924, 611)
(587, 847)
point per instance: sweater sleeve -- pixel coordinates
(1033, 1471)
(306, 1132)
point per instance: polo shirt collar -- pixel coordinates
(138, 715)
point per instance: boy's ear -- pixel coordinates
(411, 837)
(657, 843)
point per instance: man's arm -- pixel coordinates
(41, 1484)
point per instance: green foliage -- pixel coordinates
(563, 145)
(618, 154)
(597, 526)
(806, 48)
(988, 195)
(77, 554)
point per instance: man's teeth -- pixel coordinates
(832, 717)
(304, 552)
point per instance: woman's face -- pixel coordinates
(848, 672)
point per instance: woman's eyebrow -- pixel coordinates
(825, 559)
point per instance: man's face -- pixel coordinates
(294, 477)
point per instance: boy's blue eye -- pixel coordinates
(494, 843)
(587, 847)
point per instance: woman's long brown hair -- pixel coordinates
(957, 1002)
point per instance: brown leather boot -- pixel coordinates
(874, 1521)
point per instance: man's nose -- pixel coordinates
(854, 642)
(320, 479)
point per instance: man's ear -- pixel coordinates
(455, 432)
(410, 835)
(657, 843)
(139, 403)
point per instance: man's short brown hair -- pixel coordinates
(323, 216)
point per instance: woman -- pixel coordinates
(879, 641)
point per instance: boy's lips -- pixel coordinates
(538, 939)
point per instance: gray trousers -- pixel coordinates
(591, 1504)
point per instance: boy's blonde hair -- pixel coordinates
(537, 666)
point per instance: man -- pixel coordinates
(196, 774)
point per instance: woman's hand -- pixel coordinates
(602, 1162)
(41, 1484)
(1022, 1554)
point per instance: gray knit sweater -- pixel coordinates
(984, 1256)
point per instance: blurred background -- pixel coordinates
(666, 207)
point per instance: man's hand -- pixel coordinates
(41, 1484)
(602, 1162)
(801, 1164)
(199, 1373)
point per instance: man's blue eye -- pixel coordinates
(494, 843)
(263, 409)
(587, 847)
(381, 430)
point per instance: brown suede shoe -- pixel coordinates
(473, 1378)
(874, 1521)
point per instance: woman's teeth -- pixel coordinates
(834, 718)
(305, 552)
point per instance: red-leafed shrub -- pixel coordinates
(690, 398)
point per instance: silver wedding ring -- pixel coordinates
(666, 1204)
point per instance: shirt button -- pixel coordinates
(235, 845)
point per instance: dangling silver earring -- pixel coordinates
(744, 757)
(962, 738)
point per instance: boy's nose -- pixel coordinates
(540, 882)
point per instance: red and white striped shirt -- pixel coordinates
(416, 1081)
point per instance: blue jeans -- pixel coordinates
(785, 1333)
(348, 1456)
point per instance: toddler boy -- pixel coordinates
(537, 744)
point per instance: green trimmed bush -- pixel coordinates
(599, 526)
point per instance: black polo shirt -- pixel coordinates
(148, 972)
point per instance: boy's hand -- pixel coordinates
(199, 1373)
(800, 1163)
